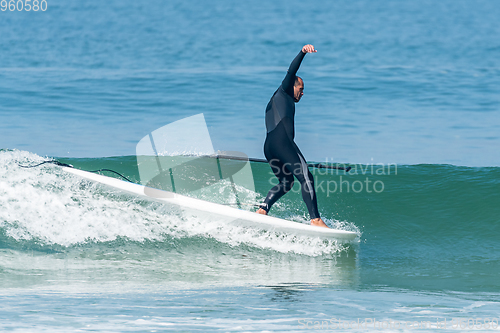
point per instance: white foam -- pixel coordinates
(47, 205)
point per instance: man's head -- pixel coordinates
(298, 89)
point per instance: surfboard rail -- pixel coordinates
(230, 214)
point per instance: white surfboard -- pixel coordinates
(230, 214)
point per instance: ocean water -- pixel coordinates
(407, 93)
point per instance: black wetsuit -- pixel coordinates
(280, 150)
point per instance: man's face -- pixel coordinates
(298, 90)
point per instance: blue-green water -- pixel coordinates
(91, 258)
(407, 92)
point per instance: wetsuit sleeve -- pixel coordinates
(289, 80)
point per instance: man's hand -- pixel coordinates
(308, 49)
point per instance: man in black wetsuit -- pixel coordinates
(280, 150)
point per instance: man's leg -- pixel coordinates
(304, 176)
(285, 178)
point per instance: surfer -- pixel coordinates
(280, 150)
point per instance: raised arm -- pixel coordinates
(289, 79)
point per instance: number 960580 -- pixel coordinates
(23, 5)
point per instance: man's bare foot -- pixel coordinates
(261, 211)
(318, 223)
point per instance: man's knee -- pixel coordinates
(306, 182)
(287, 183)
